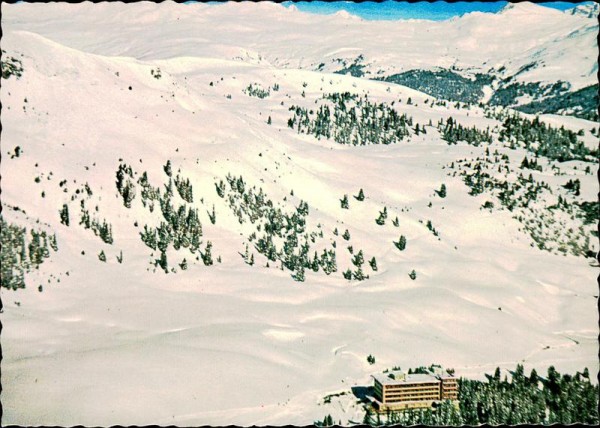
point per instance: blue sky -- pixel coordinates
(437, 10)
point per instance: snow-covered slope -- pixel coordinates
(109, 343)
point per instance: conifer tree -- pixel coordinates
(184, 188)
(360, 196)
(149, 237)
(344, 202)
(401, 244)
(382, 217)
(299, 274)
(212, 216)
(220, 189)
(359, 275)
(442, 192)
(162, 262)
(128, 193)
(64, 215)
(169, 189)
(315, 262)
(358, 259)
(207, 255)
(103, 230)
(168, 169)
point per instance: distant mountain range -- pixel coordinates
(526, 55)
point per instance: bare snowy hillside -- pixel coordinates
(205, 222)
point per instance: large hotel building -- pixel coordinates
(399, 391)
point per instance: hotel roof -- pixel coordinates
(399, 378)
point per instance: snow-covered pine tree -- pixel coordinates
(344, 202)
(401, 244)
(168, 169)
(299, 274)
(162, 262)
(358, 259)
(207, 255)
(382, 217)
(442, 192)
(212, 215)
(64, 215)
(360, 196)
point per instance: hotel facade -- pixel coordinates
(400, 391)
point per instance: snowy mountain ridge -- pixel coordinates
(587, 10)
(469, 42)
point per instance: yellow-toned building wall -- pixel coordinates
(411, 392)
(415, 395)
(449, 389)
